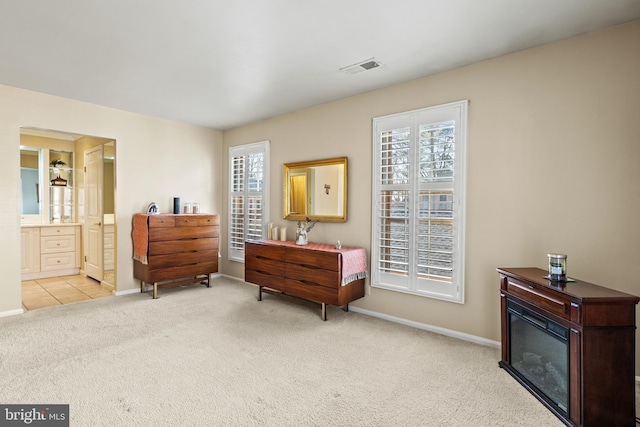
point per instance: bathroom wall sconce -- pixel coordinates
(327, 187)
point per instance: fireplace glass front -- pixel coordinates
(539, 353)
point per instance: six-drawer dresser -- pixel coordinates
(316, 272)
(172, 250)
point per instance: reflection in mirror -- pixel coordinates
(316, 189)
(108, 192)
(55, 177)
(61, 187)
(30, 177)
(109, 179)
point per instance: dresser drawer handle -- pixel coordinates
(306, 282)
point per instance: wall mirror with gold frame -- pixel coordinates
(316, 189)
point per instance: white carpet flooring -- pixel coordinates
(216, 356)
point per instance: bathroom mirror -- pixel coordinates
(30, 179)
(316, 189)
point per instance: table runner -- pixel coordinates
(140, 236)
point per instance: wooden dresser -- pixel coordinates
(314, 272)
(591, 329)
(172, 250)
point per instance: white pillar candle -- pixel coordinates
(269, 230)
(274, 233)
(283, 233)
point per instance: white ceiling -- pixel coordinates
(223, 63)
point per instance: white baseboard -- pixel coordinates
(128, 291)
(237, 279)
(11, 312)
(438, 330)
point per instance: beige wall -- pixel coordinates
(156, 160)
(553, 166)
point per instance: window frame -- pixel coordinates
(410, 280)
(234, 253)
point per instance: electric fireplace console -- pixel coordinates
(571, 344)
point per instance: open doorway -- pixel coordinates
(57, 201)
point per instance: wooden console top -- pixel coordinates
(576, 289)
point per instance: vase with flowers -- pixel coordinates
(303, 229)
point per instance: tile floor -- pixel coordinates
(53, 291)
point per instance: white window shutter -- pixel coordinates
(418, 196)
(248, 195)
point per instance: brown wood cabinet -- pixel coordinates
(599, 342)
(314, 272)
(179, 249)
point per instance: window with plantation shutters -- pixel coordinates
(418, 201)
(248, 198)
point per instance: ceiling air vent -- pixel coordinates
(365, 65)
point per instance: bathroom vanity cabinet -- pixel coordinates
(50, 250)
